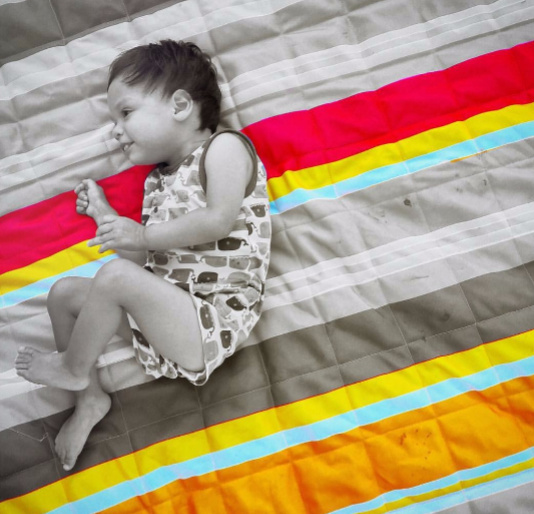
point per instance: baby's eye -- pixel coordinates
(125, 112)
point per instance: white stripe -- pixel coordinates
(12, 385)
(59, 156)
(410, 253)
(51, 151)
(22, 401)
(422, 31)
(372, 272)
(98, 49)
(449, 235)
(5, 2)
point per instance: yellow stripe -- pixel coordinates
(458, 487)
(56, 264)
(255, 426)
(394, 153)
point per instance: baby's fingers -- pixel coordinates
(97, 241)
(83, 195)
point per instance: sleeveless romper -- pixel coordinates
(226, 278)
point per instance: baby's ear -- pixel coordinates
(182, 104)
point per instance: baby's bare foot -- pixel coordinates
(92, 201)
(47, 369)
(90, 409)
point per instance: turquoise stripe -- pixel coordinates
(313, 432)
(43, 286)
(456, 498)
(373, 177)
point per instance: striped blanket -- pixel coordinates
(392, 370)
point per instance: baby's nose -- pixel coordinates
(116, 131)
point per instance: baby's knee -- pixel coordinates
(113, 275)
(61, 290)
(65, 294)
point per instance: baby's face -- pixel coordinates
(144, 123)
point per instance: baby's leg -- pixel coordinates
(65, 302)
(164, 313)
(79, 308)
(91, 406)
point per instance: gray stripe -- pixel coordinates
(518, 500)
(30, 26)
(26, 25)
(379, 291)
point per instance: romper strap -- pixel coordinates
(251, 150)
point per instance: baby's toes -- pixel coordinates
(68, 462)
(64, 458)
(24, 356)
(22, 363)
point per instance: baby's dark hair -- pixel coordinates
(171, 65)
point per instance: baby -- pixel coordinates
(189, 284)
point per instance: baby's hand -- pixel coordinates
(119, 233)
(92, 201)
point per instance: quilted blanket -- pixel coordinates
(392, 370)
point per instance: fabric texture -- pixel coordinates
(391, 370)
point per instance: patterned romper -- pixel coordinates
(226, 278)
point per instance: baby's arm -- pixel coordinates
(229, 168)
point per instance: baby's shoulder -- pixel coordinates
(228, 142)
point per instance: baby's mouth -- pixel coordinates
(125, 146)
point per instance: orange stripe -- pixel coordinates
(397, 453)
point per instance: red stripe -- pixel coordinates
(337, 130)
(47, 227)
